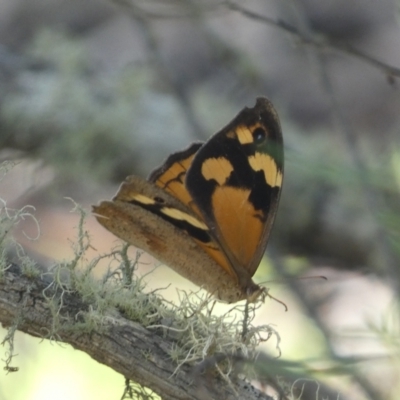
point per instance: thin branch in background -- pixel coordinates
(311, 308)
(156, 59)
(344, 127)
(350, 136)
(373, 201)
(317, 40)
(172, 9)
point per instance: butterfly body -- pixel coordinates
(208, 210)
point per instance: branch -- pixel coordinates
(316, 41)
(138, 354)
(151, 42)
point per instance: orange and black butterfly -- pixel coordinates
(207, 212)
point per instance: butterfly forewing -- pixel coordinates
(235, 179)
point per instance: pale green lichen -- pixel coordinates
(200, 333)
(8, 341)
(9, 219)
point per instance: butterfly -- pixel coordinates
(207, 212)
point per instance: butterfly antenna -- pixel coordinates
(278, 301)
(297, 278)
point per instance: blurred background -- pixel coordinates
(93, 91)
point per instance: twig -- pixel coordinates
(317, 40)
(350, 137)
(144, 23)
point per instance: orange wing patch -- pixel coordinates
(172, 180)
(239, 223)
(214, 251)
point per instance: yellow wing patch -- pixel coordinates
(172, 180)
(264, 162)
(180, 215)
(219, 169)
(245, 133)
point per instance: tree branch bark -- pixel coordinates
(125, 346)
